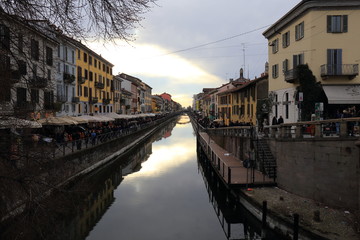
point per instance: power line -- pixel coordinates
(217, 41)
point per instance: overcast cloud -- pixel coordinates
(156, 57)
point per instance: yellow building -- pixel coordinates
(245, 99)
(324, 35)
(94, 85)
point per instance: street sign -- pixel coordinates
(301, 96)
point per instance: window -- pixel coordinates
(86, 74)
(34, 49)
(21, 43)
(66, 53)
(90, 75)
(298, 60)
(337, 23)
(49, 74)
(34, 95)
(21, 95)
(299, 31)
(95, 62)
(275, 45)
(275, 71)
(49, 56)
(72, 57)
(79, 54)
(286, 39)
(48, 100)
(285, 65)
(85, 57)
(86, 92)
(4, 37)
(79, 91)
(103, 67)
(90, 60)
(22, 67)
(334, 61)
(287, 105)
(107, 69)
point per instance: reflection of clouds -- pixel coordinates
(166, 157)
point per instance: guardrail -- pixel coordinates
(331, 128)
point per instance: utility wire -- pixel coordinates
(217, 41)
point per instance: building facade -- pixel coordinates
(323, 35)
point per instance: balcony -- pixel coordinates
(93, 100)
(69, 78)
(116, 99)
(336, 70)
(38, 82)
(291, 75)
(81, 80)
(99, 85)
(75, 99)
(106, 101)
(61, 98)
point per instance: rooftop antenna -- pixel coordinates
(243, 45)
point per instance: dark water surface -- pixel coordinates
(165, 199)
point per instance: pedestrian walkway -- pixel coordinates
(230, 168)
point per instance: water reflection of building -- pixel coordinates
(235, 220)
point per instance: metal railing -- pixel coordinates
(339, 70)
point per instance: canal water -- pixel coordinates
(160, 190)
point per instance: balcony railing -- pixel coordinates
(349, 70)
(69, 78)
(106, 101)
(116, 99)
(38, 82)
(93, 100)
(61, 98)
(291, 75)
(81, 80)
(99, 85)
(75, 99)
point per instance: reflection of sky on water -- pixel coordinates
(166, 199)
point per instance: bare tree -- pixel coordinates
(108, 19)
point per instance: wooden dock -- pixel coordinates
(230, 168)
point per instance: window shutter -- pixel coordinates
(345, 23)
(329, 23)
(295, 61)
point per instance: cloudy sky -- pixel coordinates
(183, 46)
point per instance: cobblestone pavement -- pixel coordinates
(334, 223)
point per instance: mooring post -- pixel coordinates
(264, 213)
(263, 226)
(229, 175)
(296, 226)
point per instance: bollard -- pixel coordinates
(264, 213)
(296, 226)
(263, 226)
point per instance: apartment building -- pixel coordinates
(324, 35)
(94, 85)
(27, 69)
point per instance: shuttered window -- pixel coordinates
(337, 23)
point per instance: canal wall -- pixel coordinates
(325, 170)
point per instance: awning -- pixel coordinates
(104, 118)
(76, 119)
(88, 118)
(56, 121)
(12, 122)
(342, 94)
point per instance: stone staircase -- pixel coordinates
(265, 157)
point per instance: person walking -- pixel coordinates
(274, 121)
